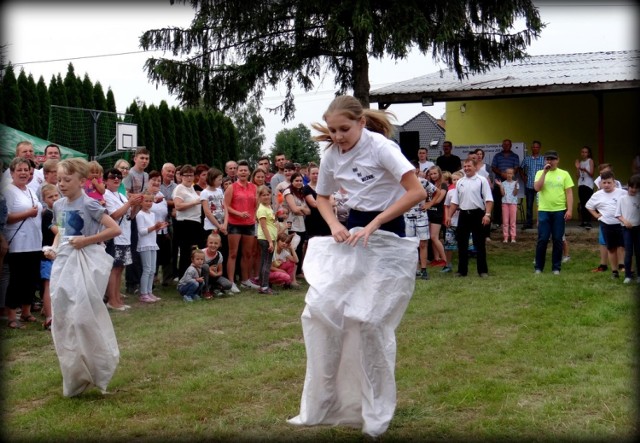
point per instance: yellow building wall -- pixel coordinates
(563, 123)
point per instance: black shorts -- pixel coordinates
(612, 235)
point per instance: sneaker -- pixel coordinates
(146, 298)
(207, 295)
(187, 298)
(615, 274)
(601, 268)
(249, 284)
(418, 272)
(484, 275)
(556, 272)
(234, 289)
(513, 240)
(505, 241)
(538, 271)
(446, 269)
(266, 291)
(588, 226)
(566, 258)
(627, 280)
(424, 275)
(457, 274)
(155, 297)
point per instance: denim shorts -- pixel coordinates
(241, 229)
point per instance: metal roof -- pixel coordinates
(541, 74)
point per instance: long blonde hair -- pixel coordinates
(350, 107)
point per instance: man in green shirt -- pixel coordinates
(555, 203)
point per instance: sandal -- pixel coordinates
(15, 324)
(28, 319)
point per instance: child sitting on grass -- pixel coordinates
(284, 262)
(213, 259)
(192, 282)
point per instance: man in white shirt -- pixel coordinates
(473, 197)
(423, 163)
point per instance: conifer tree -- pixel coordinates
(44, 103)
(11, 102)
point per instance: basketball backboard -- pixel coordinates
(126, 136)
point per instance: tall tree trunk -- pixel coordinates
(360, 61)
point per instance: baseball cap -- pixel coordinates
(551, 154)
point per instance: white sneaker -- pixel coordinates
(566, 258)
(627, 280)
(538, 271)
(249, 284)
(556, 272)
(234, 289)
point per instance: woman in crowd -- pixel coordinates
(314, 222)
(435, 211)
(241, 202)
(584, 170)
(123, 166)
(24, 235)
(298, 210)
(258, 178)
(188, 225)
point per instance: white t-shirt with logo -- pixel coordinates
(370, 172)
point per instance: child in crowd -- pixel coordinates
(289, 170)
(450, 242)
(212, 199)
(50, 172)
(192, 282)
(417, 224)
(94, 186)
(509, 191)
(147, 247)
(267, 233)
(49, 196)
(628, 213)
(602, 206)
(284, 262)
(213, 259)
(604, 254)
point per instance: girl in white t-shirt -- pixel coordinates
(147, 246)
(382, 186)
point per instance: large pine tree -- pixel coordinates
(11, 102)
(234, 49)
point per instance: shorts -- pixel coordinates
(45, 269)
(241, 229)
(435, 217)
(122, 256)
(417, 227)
(450, 242)
(612, 235)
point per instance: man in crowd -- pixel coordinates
(167, 186)
(555, 203)
(530, 165)
(447, 161)
(265, 164)
(501, 162)
(231, 170)
(473, 197)
(423, 163)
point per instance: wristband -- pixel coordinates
(488, 215)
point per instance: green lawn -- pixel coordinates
(514, 356)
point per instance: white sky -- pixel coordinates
(36, 32)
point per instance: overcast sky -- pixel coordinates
(38, 33)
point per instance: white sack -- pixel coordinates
(356, 299)
(82, 331)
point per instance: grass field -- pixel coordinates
(515, 356)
